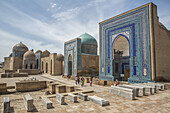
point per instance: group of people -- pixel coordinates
(81, 81)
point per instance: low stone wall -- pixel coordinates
(4, 75)
(30, 85)
(29, 71)
(9, 71)
(3, 88)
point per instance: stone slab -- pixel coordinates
(83, 96)
(148, 89)
(60, 89)
(124, 92)
(72, 97)
(60, 98)
(48, 104)
(141, 90)
(28, 102)
(98, 100)
(136, 90)
(6, 105)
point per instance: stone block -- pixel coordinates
(72, 97)
(83, 96)
(48, 104)
(52, 87)
(98, 100)
(124, 92)
(141, 90)
(70, 88)
(6, 105)
(3, 88)
(60, 98)
(148, 89)
(158, 86)
(28, 102)
(31, 85)
(60, 89)
(136, 90)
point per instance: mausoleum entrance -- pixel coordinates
(120, 53)
(70, 65)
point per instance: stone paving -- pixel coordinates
(157, 103)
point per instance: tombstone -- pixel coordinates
(136, 90)
(98, 100)
(60, 89)
(141, 89)
(72, 97)
(148, 89)
(60, 98)
(48, 104)
(28, 102)
(83, 96)
(6, 105)
(124, 92)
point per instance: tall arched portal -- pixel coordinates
(70, 64)
(37, 63)
(46, 67)
(133, 26)
(51, 68)
(120, 57)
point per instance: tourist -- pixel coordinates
(76, 80)
(91, 83)
(116, 83)
(83, 81)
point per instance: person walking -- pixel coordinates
(76, 80)
(91, 83)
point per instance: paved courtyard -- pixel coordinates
(157, 103)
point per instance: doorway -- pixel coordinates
(120, 53)
(46, 67)
(70, 65)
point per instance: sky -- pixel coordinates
(47, 24)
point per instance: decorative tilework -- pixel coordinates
(72, 48)
(135, 26)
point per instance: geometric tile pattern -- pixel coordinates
(134, 26)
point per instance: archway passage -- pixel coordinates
(51, 68)
(30, 66)
(37, 64)
(70, 65)
(120, 62)
(26, 66)
(46, 67)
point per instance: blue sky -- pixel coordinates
(47, 24)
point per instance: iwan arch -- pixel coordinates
(135, 44)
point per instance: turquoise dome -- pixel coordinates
(88, 39)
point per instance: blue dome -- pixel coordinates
(88, 39)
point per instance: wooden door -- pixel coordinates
(127, 74)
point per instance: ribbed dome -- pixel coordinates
(29, 55)
(60, 57)
(38, 51)
(45, 53)
(20, 47)
(88, 39)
